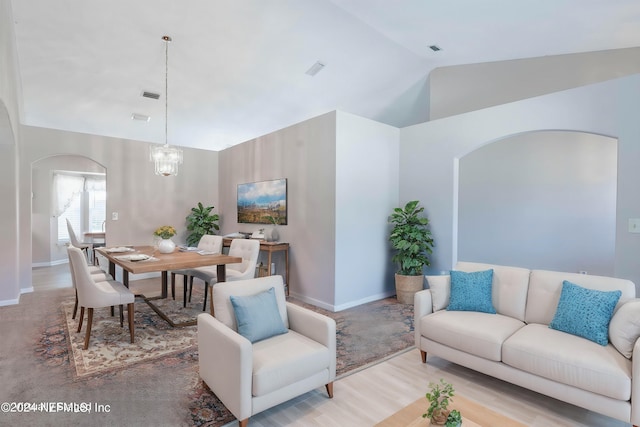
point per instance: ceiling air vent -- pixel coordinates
(315, 69)
(140, 117)
(435, 48)
(151, 95)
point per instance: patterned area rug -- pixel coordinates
(366, 335)
(110, 347)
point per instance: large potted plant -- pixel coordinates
(200, 222)
(411, 238)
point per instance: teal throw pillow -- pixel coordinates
(257, 316)
(585, 312)
(471, 291)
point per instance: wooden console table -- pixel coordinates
(269, 248)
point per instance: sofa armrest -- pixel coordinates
(422, 305)
(225, 359)
(315, 326)
(635, 384)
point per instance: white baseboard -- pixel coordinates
(335, 308)
(9, 302)
(26, 290)
(50, 263)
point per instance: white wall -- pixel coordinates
(367, 155)
(430, 153)
(540, 200)
(462, 88)
(9, 134)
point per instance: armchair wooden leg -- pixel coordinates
(243, 423)
(75, 306)
(89, 322)
(423, 354)
(112, 312)
(206, 292)
(121, 316)
(130, 308)
(329, 388)
(80, 321)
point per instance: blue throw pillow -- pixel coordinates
(585, 312)
(471, 291)
(257, 316)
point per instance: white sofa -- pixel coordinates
(516, 344)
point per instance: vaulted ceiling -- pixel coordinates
(237, 67)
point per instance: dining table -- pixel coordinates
(147, 259)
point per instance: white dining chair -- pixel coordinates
(97, 274)
(247, 249)
(85, 246)
(92, 294)
(209, 243)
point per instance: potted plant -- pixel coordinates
(439, 397)
(200, 222)
(411, 238)
(165, 233)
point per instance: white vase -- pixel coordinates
(166, 246)
(275, 236)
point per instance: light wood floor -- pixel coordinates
(370, 395)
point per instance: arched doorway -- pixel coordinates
(48, 241)
(543, 199)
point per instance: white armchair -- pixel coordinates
(251, 377)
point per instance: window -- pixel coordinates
(81, 199)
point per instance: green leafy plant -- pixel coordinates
(454, 419)
(200, 222)
(411, 238)
(439, 397)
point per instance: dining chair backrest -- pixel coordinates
(72, 235)
(82, 277)
(248, 250)
(211, 243)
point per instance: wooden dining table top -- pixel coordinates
(176, 260)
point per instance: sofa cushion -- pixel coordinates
(284, 359)
(624, 329)
(570, 360)
(509, 289)
(440, 287)
(480, 334)
(257, 315)
(585, 312)
(471, 291)
(545, 288)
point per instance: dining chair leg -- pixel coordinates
(121, 316)
(190, 289)
(130, 313)
(89, 322)
(75, 306)
(206, 292)
(81, 317)
(112, 312)
(173, 285)
(184, 291)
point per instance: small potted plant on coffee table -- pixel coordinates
(439, 397)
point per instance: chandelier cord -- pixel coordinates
(166, 39)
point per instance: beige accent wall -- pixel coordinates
(143, 200)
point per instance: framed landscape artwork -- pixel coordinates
(263, 202)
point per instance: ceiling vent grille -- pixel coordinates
(151, 95)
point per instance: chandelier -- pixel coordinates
(165, 157)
